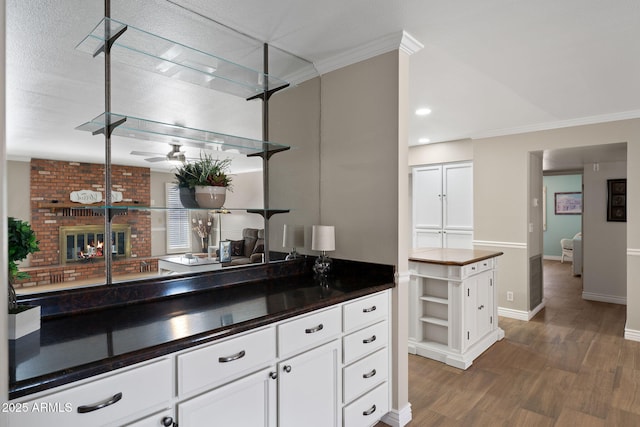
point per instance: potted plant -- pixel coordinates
(23, 319)
(185, 180)
(211, 181)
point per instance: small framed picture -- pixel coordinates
(568, 203)
(225, 250)
(617, 200)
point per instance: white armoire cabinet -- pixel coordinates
(443, 206)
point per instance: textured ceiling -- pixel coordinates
(487, 68)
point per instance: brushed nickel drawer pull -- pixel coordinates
(314, 330)
(369, 310)
(231, 358)
(369, 411)
(369, 374)
(107, 402)
(369, 340)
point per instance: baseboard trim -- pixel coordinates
(631, 334)
(398, 418)
(552, 258)
(604, 298)
(513, 314)
(520, 314)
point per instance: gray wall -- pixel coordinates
(604, 243)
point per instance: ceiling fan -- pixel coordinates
(175, 155)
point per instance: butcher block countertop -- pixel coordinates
(445, 256)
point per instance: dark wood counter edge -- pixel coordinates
(67, 376)
(457, 263)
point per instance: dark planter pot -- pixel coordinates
(188, 197)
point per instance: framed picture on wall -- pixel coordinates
(617, 200)
(568, 203)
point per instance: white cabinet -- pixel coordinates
(309, 388)
(290, 373)
(366, 363)
(443, 206)
(453, 314)
(111, 400)
(246, 402)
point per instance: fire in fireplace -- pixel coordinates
(87, 242)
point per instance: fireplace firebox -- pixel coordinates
(85, 243)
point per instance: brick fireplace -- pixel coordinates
(52, 181)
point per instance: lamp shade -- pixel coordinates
(323, 238)
(293, 236)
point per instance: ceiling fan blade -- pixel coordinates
(156, 159)
(145, 153)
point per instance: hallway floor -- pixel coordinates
(568, 366)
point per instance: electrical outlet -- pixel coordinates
(509, 296)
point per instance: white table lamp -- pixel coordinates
(323, 238)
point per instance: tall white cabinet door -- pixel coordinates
(458, 196)
(248, 402)
(478, 309)
(427, 197)
(309, 388)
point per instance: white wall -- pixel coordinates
(501, 175)
(355, 169)
(604, 243)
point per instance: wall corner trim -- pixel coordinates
(520, 314)
(398, 418)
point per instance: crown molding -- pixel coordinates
(590, 120)
(400, 40)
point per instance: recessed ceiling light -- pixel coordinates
(424, 140)
(423, 111)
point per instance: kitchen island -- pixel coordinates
(453, 314)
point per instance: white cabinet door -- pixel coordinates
(247, 402)
(424, 238)
(309, 388)
(457, 239)
(427, 197)
(458, 196)
(478, 308)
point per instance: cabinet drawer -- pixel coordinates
(308, 331)
(365, 374)
(365, 311)
(364, 341)
(111, 400)
(222, 362)
(477, 267)
(367, 410)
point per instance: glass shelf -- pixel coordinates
(133, 127)
(127, 206)
(157, 54)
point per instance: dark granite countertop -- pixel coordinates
(79, 345)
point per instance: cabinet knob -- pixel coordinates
(167, 422)
(273, 375)
(481, 307)
(287, 368)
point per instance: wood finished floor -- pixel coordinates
(568, 366)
